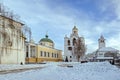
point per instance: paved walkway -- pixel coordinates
(18, 70)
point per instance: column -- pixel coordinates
(28, 50)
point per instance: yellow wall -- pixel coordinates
(40, 58)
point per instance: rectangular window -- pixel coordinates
(69, 48)
(41, 53)
(55, 55)
(27, 54)
(48, 54)
(52, 55)
(44, 54)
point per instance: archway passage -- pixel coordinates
(66, 59)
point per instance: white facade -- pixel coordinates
(69, 45)
(12, 47)
(105, 53)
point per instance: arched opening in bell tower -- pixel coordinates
(74, 41)
(68, 42)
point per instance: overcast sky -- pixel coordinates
(57, 17)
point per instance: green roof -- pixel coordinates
(46, 39)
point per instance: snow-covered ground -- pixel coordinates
(5, 67)
(56, 71)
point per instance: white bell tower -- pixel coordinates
(101, 42)
(69, 45)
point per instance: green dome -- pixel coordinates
(46, 39)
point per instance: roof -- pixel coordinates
(12, 19)
(101, 38)
(46, 39)
(106, 49)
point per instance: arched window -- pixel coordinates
(102, 41)
(74, 41)
(68, 42)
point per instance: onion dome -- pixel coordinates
(46, 39)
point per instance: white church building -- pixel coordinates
(104, 53)
(69, 46)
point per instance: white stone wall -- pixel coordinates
(12, 49)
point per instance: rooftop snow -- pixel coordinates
(108, 49)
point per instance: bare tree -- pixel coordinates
(9, 32)
(79, 48)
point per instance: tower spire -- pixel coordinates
(46, 34)
(75, 24)
(75, 30)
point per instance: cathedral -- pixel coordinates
(74, 47)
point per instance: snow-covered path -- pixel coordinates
(4, 67)
(86, 71)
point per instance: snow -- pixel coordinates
(4, 67)
(59, 71)
(105, 49)
(104, 57)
